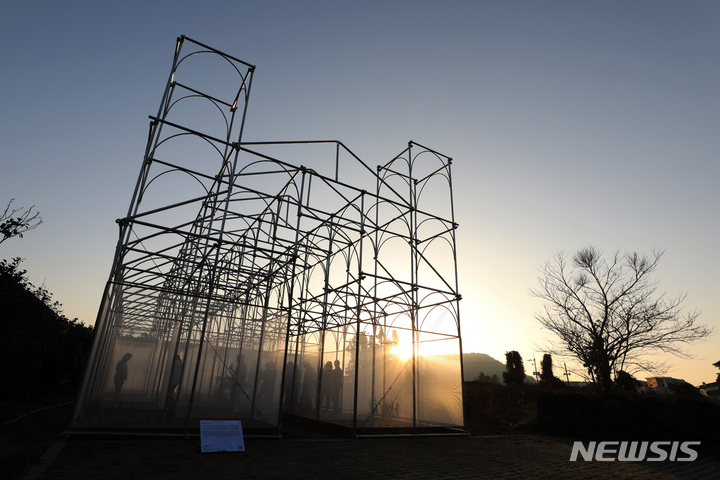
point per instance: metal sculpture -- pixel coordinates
(246, 284)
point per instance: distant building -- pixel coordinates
(660, 385)
(709, 389)
(656, 382)
(576, 383)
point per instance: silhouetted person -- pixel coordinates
(309, 387)
(289, 379)
(240, 373)
(336, 380)
(175, 377)
(121, 374)
(327, 373)
(267, 389)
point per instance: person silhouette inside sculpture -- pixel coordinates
(336, 380)
(327, 373)
(309, 387)
(175, 377)
(240, 373)
(267, 389)
(290, 378)
(121, 374)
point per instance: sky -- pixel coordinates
(570, 124)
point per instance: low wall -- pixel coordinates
(615, 417)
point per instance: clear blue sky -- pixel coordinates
(571, 123)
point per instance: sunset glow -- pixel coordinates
(404, 351)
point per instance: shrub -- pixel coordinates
(41, 350)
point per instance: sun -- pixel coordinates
(404, 351)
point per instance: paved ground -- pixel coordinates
(502, 457)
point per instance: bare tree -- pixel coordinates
(15, 222)
(608, 314)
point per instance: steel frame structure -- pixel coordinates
(249, 274)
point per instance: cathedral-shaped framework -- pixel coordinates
(253, 279)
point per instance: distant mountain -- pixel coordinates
(474, 363)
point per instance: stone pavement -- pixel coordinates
(501, 457)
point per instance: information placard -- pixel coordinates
(221, 436)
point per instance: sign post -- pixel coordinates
(221, 436)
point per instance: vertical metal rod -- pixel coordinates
(413, 281)
(337, 161)
(326, 286)
(457, 285)
(376, 254)
(358, 311)
(292, 285)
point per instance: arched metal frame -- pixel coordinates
(246, 286)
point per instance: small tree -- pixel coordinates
(625, 381)
(547, 377)
(546, 369)
(684, 389)
(607, 314)
(482, 377)
(15, 222)
(514, 373)
(350, 348)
